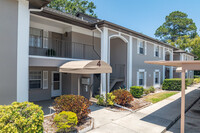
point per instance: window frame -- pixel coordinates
(35, 36)
(142, 43)
(41, 80)
(138, 77)
(154, 78)
(156, 51)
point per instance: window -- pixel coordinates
(156, 51)
(141, 78)
(141, 47)
(35, 79)
(156, 77)
(36, 37)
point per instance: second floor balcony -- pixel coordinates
(50, 47)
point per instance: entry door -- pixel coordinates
(56, 84)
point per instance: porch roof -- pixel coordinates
(86, 67)
(187, 65)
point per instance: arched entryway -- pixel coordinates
(118, 60)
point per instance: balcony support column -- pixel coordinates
(23, 50)
(104, 57)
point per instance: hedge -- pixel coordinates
(137, 91)
(174, 84)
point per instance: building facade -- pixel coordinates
(36, 41)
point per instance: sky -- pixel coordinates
(145, 16)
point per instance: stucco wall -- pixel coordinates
(8, 51)
(69, 85)
(138, 63)
(39, 94)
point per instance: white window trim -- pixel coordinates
(145, 48)
(159, 49)
(138, 47)
(145, 77)
(154, 75)
(43, 80)
(37, 79)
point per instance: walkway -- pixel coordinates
(192, 120)
(153, 119)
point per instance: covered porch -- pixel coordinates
(50, 78)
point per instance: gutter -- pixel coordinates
(36, 10)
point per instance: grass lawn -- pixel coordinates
(154, 98)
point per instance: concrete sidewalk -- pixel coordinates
(153, 119)
(192, 120)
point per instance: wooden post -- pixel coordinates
(183, 101)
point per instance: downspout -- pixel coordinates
(96, 26)
(36, 10)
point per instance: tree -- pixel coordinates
(74, 6)
(176, 25)
(194, 46)
(191, 45)
(182, 42)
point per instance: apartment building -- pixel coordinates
(37, 40)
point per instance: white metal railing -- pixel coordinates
(61, 48)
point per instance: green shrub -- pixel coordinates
(173, 84)
(196, 80)
(190, 82)
(123, 97)
(23, 117)
(137, 91)
(195, 76)
(146, 91)
(65, 121)
(152, 89)
(110, 99)
(101, 100)
(77, 104)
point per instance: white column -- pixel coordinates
(23, 50)
(104, 57)
(163, 65)
(171, 68)
(129, 63)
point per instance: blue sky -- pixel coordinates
(145, 16)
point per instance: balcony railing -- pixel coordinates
(119, 71)
(61, 48)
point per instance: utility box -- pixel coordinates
(86, 81)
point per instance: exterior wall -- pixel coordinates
(69, 85)
(8, 51)
(138, 63)
(41, 94)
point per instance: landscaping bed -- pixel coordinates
(50, 127)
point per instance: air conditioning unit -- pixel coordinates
(85, 81)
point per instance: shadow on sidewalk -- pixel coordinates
(169, 114)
